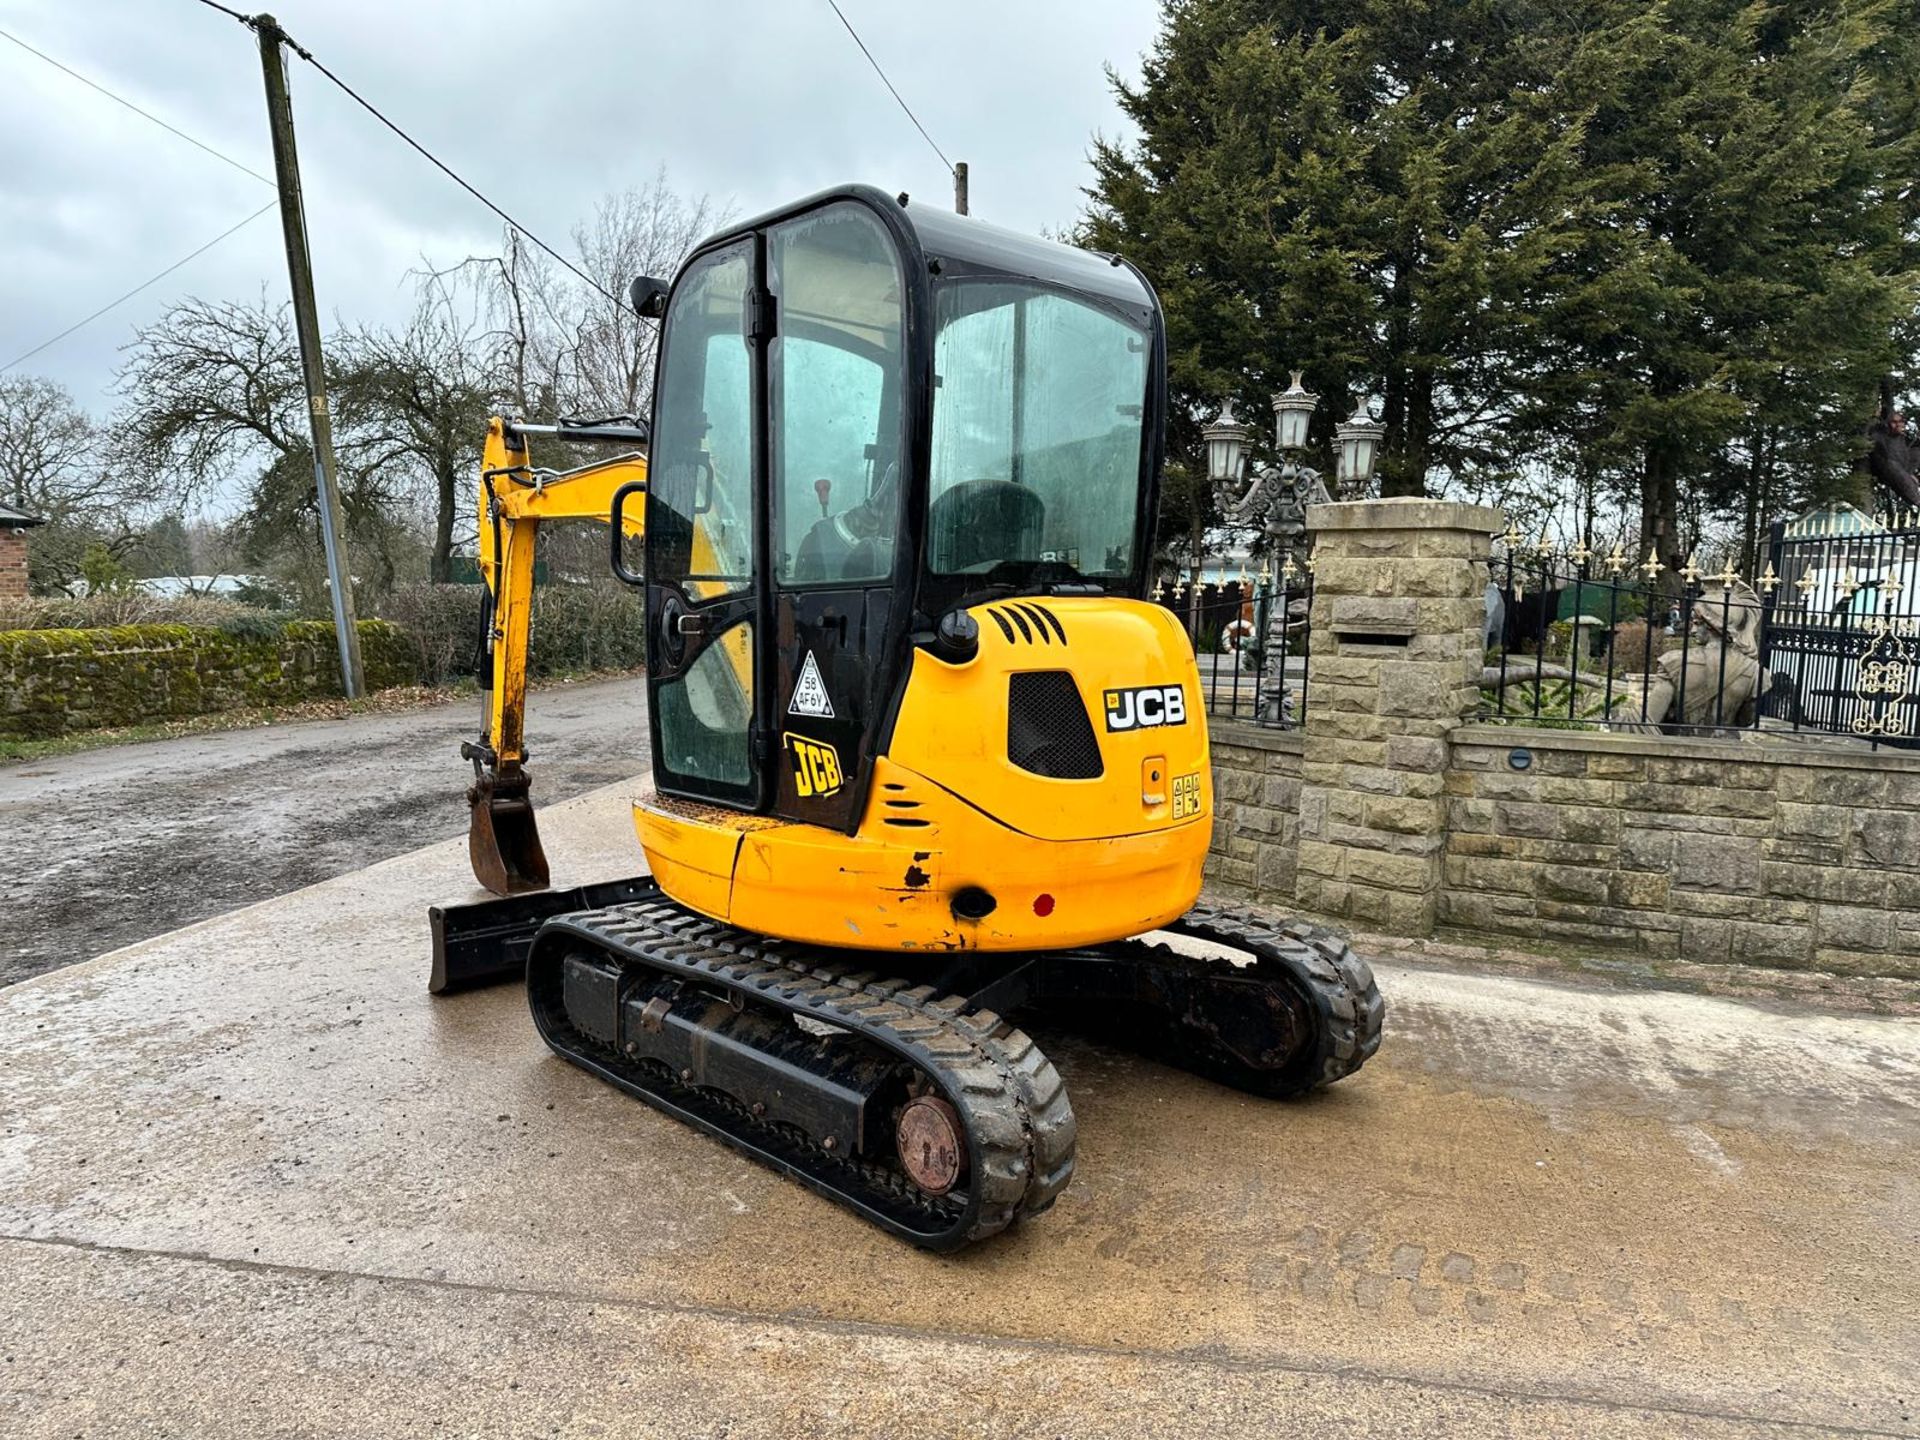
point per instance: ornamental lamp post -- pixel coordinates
(1276, 502)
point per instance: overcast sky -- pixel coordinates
(545, 105)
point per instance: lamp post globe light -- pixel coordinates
(1359, 440)
(1276, 499)
(1292, 409)
(1226, 441)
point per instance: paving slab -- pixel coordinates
(254, 1181)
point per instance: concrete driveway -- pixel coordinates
(105, 847)
(253, 1181)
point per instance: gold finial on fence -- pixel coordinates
(1728, 575)
(1545, 547)
(1289, 571)
(1805, 585)
(1769, 582)
(1616, 559)
(1652, 567)
(1690, 572)
(1891, 586)
(1266, 572)
(1513, 537)
(1580, 554)
(1160, 591)
(1309, 562)
(1847, 584)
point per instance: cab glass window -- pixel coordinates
(700, 478)
(1038, 410)
(834, 370)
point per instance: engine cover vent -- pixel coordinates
(1048, 731)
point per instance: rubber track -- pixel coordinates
(1321, 968)
(1020, 1123)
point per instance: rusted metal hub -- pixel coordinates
(932, 1144)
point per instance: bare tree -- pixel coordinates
(215, 401)
(645, 231)
(567, 346)
(415, 404)
(53, 465)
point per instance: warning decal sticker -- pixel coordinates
(810, 692)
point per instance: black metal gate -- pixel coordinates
(1841, 628)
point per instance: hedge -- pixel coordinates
(54, 681)
(574, 628)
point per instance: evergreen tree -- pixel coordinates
(1742, 258)
(1363, 189)
(1662, 251)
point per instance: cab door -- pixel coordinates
(704, 602)
(836, 459)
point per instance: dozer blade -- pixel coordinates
(503, 841)
(487, 943)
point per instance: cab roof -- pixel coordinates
(961, 244)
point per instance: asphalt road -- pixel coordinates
(105, 847)
(255, 1182)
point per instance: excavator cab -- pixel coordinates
(869, 416)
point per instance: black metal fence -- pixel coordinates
(1252, 666)
(1825, 639)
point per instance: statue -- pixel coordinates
(1892, 456)
(1716, 679)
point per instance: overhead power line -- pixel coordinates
(883, 80)
(143, 114)
(367, 105)
(144, 284)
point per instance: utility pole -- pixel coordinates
(960, 188)
(326, 478)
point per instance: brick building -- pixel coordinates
(14, 525)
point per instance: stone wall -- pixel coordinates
(1397, 810)
(13, 564)
(1256, 810)
(1804, 855)
(55, 681)
(1767, 852)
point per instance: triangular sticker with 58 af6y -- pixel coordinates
(810, 692)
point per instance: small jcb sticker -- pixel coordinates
(810, 692)
(816, 768)
(1143, 707)
(1186, 795)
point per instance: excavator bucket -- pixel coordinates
(503, 841)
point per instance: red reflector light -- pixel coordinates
(1043, 905)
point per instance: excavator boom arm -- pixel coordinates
(514, 499)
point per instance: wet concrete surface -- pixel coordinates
(253, 1180)
(105, 847)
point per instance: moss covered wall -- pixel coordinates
(55, 681)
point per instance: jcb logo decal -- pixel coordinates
(1145, 706)
(816, 768)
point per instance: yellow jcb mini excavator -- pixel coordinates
(923, 755)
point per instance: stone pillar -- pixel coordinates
(1399, 622)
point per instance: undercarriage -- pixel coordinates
(910, 1098)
